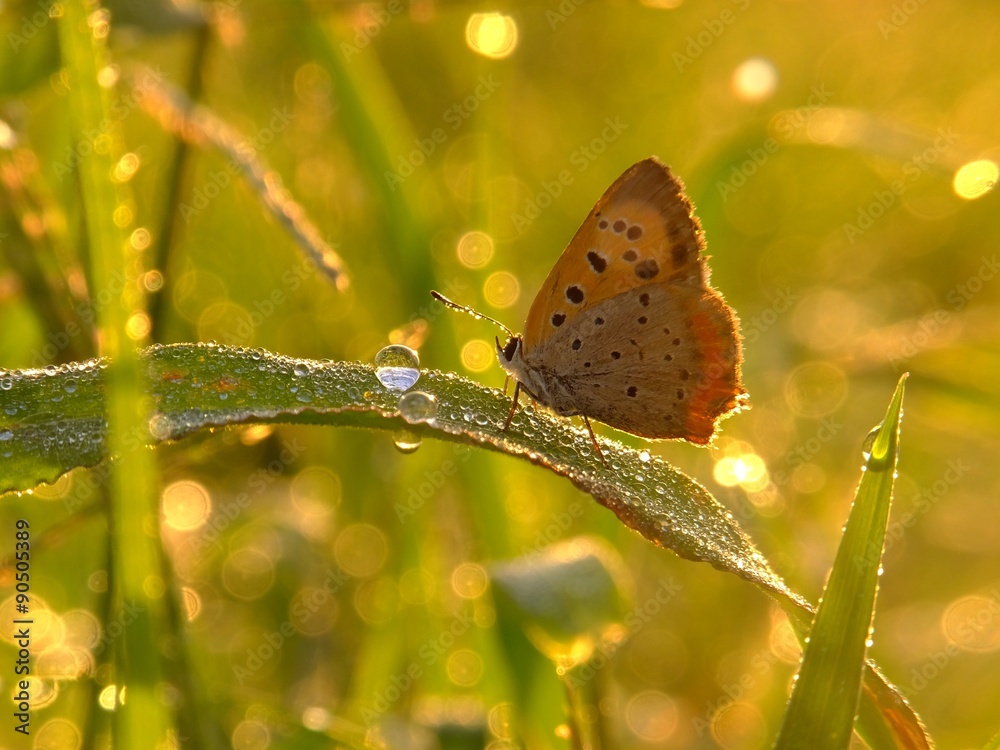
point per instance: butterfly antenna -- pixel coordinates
(462, 308)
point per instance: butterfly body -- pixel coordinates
(626, 328)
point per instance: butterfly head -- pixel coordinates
(510, 354)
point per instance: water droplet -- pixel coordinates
(396, 367)
(869, 441)
(301, 369)
(51, 370)
(70, 386)
(644, 456)
(406, 441)
(6, 434)
(417, 406)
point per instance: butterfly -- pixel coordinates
(626, 329)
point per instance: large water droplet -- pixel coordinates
(396, 367)
(417, 406)
(406, 441)
(869, 441)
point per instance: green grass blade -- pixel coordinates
(193, 387)
(824, 700)
(143, 720)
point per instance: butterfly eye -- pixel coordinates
(510, 347)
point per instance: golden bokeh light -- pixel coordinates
(501, 289)
(755, 80)
(746, 470)
(976, 179)
(973, 623)
(475, 249)
(152, 280)
(739, 725)
(185, 505)
(815, 389)
(140, 239)
(464, 667)
(376, 601)
(251, 735)
(58, 734)
(477, 355)
(126, 168)
(361, 550)
(138, 326)
(652, 716)
(469, 580)
(191, 600)
(248, 574)
(108, 695)
(492, 35)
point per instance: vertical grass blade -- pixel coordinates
(109, 210)
(824, 701)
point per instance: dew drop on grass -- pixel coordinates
(417, 407)
(406, 441)
(869, 442)
(396, 367)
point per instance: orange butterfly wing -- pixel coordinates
(627, 322)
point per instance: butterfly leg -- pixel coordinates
(593, 439)
(513, 406)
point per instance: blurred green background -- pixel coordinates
(842, 160)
